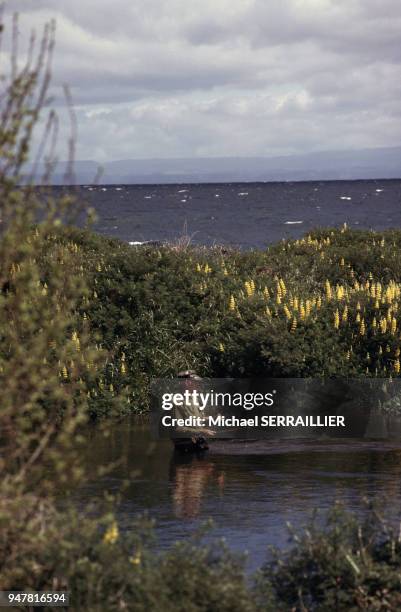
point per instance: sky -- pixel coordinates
(191, 78)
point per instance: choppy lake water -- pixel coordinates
(250, 492)
(249, 215)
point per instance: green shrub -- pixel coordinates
(304, 308)
(343, 564)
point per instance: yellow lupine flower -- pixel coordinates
(136, 560)
(232, 304)
(287, 311)
(294, 324)
(221, 347)
(336, 319)
(362, 328)
(111, 535)
(75, 339)
(249, 288)
(328, 290)
(344, 316)
(393, 325)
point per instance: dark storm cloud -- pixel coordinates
(219, 77)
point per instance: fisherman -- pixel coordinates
(196, 442)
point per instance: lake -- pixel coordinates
(246, 215)
(250, 490)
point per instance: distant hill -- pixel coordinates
(380, 163)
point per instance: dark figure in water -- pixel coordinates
(196, 443)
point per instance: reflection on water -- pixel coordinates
(250, 490)
(190, 482)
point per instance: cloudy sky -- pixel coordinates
(191, 78)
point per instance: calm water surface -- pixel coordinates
(250, 491)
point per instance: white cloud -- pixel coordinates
(226, 77)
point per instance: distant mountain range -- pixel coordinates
(380, 163)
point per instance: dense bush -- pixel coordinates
(325, 305)
(342, 565)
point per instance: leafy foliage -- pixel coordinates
(325, 305)
(343, 564)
